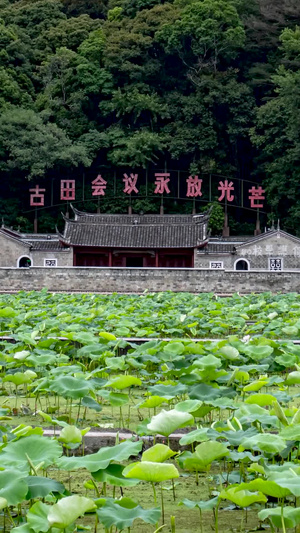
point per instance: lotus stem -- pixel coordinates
(282, 519)
(173, 529)
(201, 523)
(78, 412)
(173, 490)
(162, 504)
(154, 492)
(216, 517)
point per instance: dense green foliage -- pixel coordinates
(235, 402)
(207, 86)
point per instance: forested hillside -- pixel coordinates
(205, 86)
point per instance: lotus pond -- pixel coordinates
(234, 398)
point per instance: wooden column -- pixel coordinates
(110, 258)
(156, 259)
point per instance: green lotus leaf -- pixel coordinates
(291, 516)
(17, 379)
(166, 422)
(255, 386)
(151, 402)
(290, 330)
(117, 399)
(198, 435)
(13, 487)
(89, 402)
(288, 481)
(229, 352)
(70, 387)
(291, 432)
(208, 362)
(242, 498)
(25, 528)
(107, 336)
(168, 391)
(188, 406)
(210, 451)
(123, 382)
(113, 475)
(268, 487)
(264, 442)
(259, 352)
(261, 399)
(158, 453)
(37, 517)
(67, 510)
(7, 312)
(202, 505)
(293, 378)
(123, 513)
(102, 458)
(150, 471)
(39, 487)
(38, 449)
(175, 348)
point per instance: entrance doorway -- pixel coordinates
(242, 264)
(134, 262)
(24, 262)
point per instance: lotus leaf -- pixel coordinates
(39, 487)
(123, 382)
(38, 449)
(264, 442)
(37, 517)
(229, 352)
(151, 471)
(291, 516)
(158, 453)
(113, 475)
(203, 506)
(242, 498)
(151, 402)
(13, 487)
(102, 458)
(67, 510)
(168, 421)
(210, 451)
(268, 487)
(122, 513)
(261, 399)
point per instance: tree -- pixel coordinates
(32, 147)
(277, 135)
(205, 34)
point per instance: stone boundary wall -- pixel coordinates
(79, 279)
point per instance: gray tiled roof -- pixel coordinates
(50, 245)
(217, 248)
(135, 231)
(35, 241)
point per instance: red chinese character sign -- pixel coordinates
(37, 198)
(226, 188)
(130, 183)
(67, 190)
(99, 186)
(256, 194)
(161, 183)
(193, 187)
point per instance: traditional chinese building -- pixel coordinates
(154, 241)
(274, 250)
